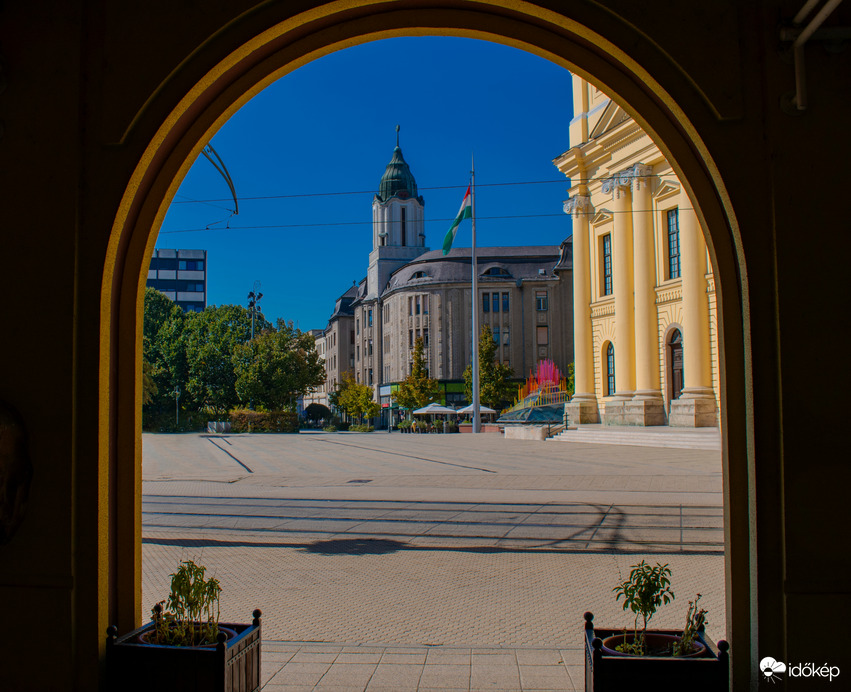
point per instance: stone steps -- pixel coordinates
(663, 436)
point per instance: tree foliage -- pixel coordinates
(495, 386)
(417, 389)
(356, 398)
(277, 367)
(163, 351)
(211, 338)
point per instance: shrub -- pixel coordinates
(330, 428)
(361, 428)
(245, 420)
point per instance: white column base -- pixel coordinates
(582, 408)
(694, 409)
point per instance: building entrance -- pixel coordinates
(675, 360)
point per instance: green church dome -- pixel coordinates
(397, 181)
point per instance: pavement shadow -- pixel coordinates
(355, 546)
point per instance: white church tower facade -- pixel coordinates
(398, 226)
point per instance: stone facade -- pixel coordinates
(410, 292)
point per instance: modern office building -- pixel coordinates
(182, 276)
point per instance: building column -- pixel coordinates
(582, 408)
(647, 406)
(696, 405)
(622, 288)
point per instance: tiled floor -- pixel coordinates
(294, 666)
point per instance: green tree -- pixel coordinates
(417, 389)
(570, 378)
(149, 387)
(356, 398)
(495, 386)
(211, 337)
(277, 367)
(163, 349)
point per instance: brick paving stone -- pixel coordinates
(435, 571)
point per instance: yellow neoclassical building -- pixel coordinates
(645, 325)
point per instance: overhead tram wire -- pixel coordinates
(372, 223)
(578, 181)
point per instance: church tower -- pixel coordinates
(398, 230)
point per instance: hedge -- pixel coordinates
(163, 421)
(245, 420)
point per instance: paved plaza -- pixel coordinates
(416, 562)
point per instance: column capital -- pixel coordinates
(622, 181)
(642, 173)
(577, 205)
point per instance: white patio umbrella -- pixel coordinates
(433, 408)
(469, 409)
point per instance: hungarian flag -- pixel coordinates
(466, 212)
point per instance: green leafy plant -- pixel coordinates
(695, 622)
(191, 613)
(643, 592)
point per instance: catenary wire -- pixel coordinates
(372, 223)
(563, 181)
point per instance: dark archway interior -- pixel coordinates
(103, 110)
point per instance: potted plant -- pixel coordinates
(185, 646)
(687, 658)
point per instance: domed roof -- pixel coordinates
(397, 181)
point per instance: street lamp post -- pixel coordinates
(254, 297)
(176, 395)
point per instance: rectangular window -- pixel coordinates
(410, 338)
(425, 338)
(607, 265)
(417, 306)
(410, 306)
(425, 305)
(505, 302)
(370, 347)
(496, 335)
(369, 317)
(543, 336)
(505, 337)
(540, 300)
(386, 373)
(496, 302)
(370, 375)
(673, 244)
(191, 265)
(357, 326)
(357, 349)
(486, 302)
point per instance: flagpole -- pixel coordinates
(477, 417)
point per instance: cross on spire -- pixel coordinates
(397, 134)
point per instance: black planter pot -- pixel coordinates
(706, 671)
(231, 665)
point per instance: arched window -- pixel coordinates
(497, 271)
(610, 370)
(675, 363)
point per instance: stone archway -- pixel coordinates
(200, 96)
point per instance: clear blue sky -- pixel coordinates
(329, 127)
